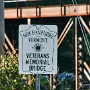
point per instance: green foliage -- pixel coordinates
(44, 83)
(10, 79)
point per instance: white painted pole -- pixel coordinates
(75, 53)
(29, 21)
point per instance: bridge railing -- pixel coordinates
(34, 3)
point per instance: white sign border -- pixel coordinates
(28, 72)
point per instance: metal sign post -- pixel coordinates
(37, 81)
(38, 50)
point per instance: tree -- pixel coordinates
(1, 25)
(10, 78)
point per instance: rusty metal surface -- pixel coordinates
(47, 11)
